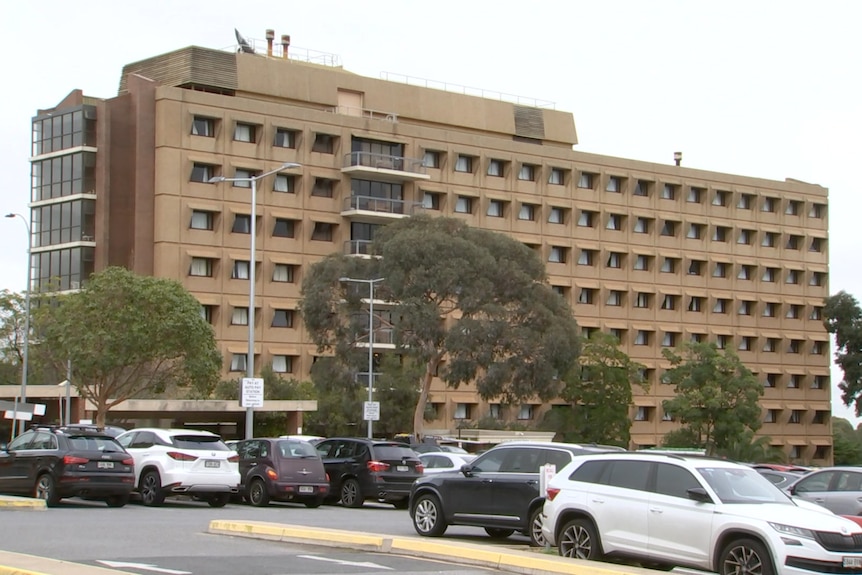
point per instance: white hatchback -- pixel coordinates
(702, 513)
(182, 462)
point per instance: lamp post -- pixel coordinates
(370, 336)
(249, 413)
(26, 349)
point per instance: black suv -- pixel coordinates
(499, 490)
(50, 463)
(361, 469)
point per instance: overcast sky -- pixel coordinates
(757, 88)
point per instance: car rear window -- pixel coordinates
(94, 443)
(203, 442)
(393, 452)
(297, 449)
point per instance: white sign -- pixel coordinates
(546, 473)
(372, 411)
(22, 415)
(252, 392)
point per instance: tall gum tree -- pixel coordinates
(843, 318)
(129, 336)
(472, 306)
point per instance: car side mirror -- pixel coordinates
(467, 470)
(699, 494)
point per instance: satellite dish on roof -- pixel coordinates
(244, 46)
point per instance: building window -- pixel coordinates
(495, 209)
(669, 191)
(746, 237)
(794, 311)
(642, 188)
(794, 346)
(721, 198)
(527, 212)
(238, 362)
(641, 225)
(746, 343)
(557, 255)
(668, 265)
(794, 381)
(464, 205)
(615, 298)
(324, 144)
(587, 295)
(642, 337)
(282, 318)
(793, 277)
(284, 228)
(795, 416)
(793, 207)
(615, 222)
(746, 307)
(239, 316)
(695, 303)
(770, 345)
(721, 305)
(818, 348)
(769, 275)
(695, 231)
(642, 300)
(240, 270)
(285, 138)
(202, 173)
(556, 215)
(241, 224)
(462, 411)
(201, 267)
(770, 309)
(720, 234)
(642, 263)
(494, 410)
(642, 413)
(244, 132)
(323, 188)
(282, 363)
(525, 411)
(527, 173)
(720, 270)
(769, 239)
(202, 126)
(284, 183)
(207, 313)
(816, 313)
(202, 220)
(284, 273)
(615, 185)
(464, 164)
(431, 159)
(242, 178)
(587, 219)
(816, 211)
(819, 382)
(772, 380)
(816, 245)
(771, 416)
(668, 302)
(695, 267)
(669, 228)
(746, 272)
(723, 341)
(322, 232)
(495, 168)
(615, 260)
(695, 195)
(669, 339)
(557, 177)
(793, 242)
(769, 204)
(586, 180)
(431, 200)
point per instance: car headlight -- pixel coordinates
(794, 531)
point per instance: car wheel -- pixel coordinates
(402, 503)
(46, 489)
(151, 489)
(117, 500)
(579, 541)
(745, 556)
(498, 533)
(257, 493)
(219, 500)
(314, 503)
(537, 539)
(351, 494)
(428, 516)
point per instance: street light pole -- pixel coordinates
(370, 338)
(26, 346)
(249, 412)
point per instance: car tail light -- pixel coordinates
(128, 461)
(552, 492)
(233, 459)
(327, 477)
(177, 456)
(377, 466)
(420, 468)
(74, 460)
(271, 473)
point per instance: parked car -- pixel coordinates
(361, 469)
(182, 462)
(667, 511)
(112, 430)
(441, 461)
(51, 462)
(282, 470)
(499, 490)
(838, 489)
(780, 479)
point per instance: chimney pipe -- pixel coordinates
(677, 157)
(285, 42)
(270, 36)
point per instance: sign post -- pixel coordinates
(372, 411)
(252, 392)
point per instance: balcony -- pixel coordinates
(384, 168)
(357, 248)
(376, 210)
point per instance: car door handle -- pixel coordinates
(487, 481)
(596, 500)
(532, 482)
(252, 464)
(656, 510)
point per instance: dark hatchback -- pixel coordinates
(281, 470)
(361, 469)
(51, 463)
(499, 490)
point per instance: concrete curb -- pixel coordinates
(21, 564)
(21, 503)
(525, 562)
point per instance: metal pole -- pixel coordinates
(370, 348)
(249, 411)
(68, 392)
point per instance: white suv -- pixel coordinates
(709, 514)
(182, 462)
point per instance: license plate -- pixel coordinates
(306, 489)
(402, 468)
(212, 463)
(853, 562)
(105, 464)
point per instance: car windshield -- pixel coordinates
(204, 442)
(94, 443)
(742, 485)
(297, 449)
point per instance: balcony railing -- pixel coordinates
(357, 247)
(411, 167)
(379, 205)
(364, 113)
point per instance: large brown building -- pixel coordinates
(655, 254)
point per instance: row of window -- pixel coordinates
(792, 416)
(769, 380)
(720, 305)
(239, 316)
(206, 267)
(280, 363)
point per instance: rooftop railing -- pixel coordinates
(364, 113)
(467, 90)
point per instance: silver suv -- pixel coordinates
(714, 515)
